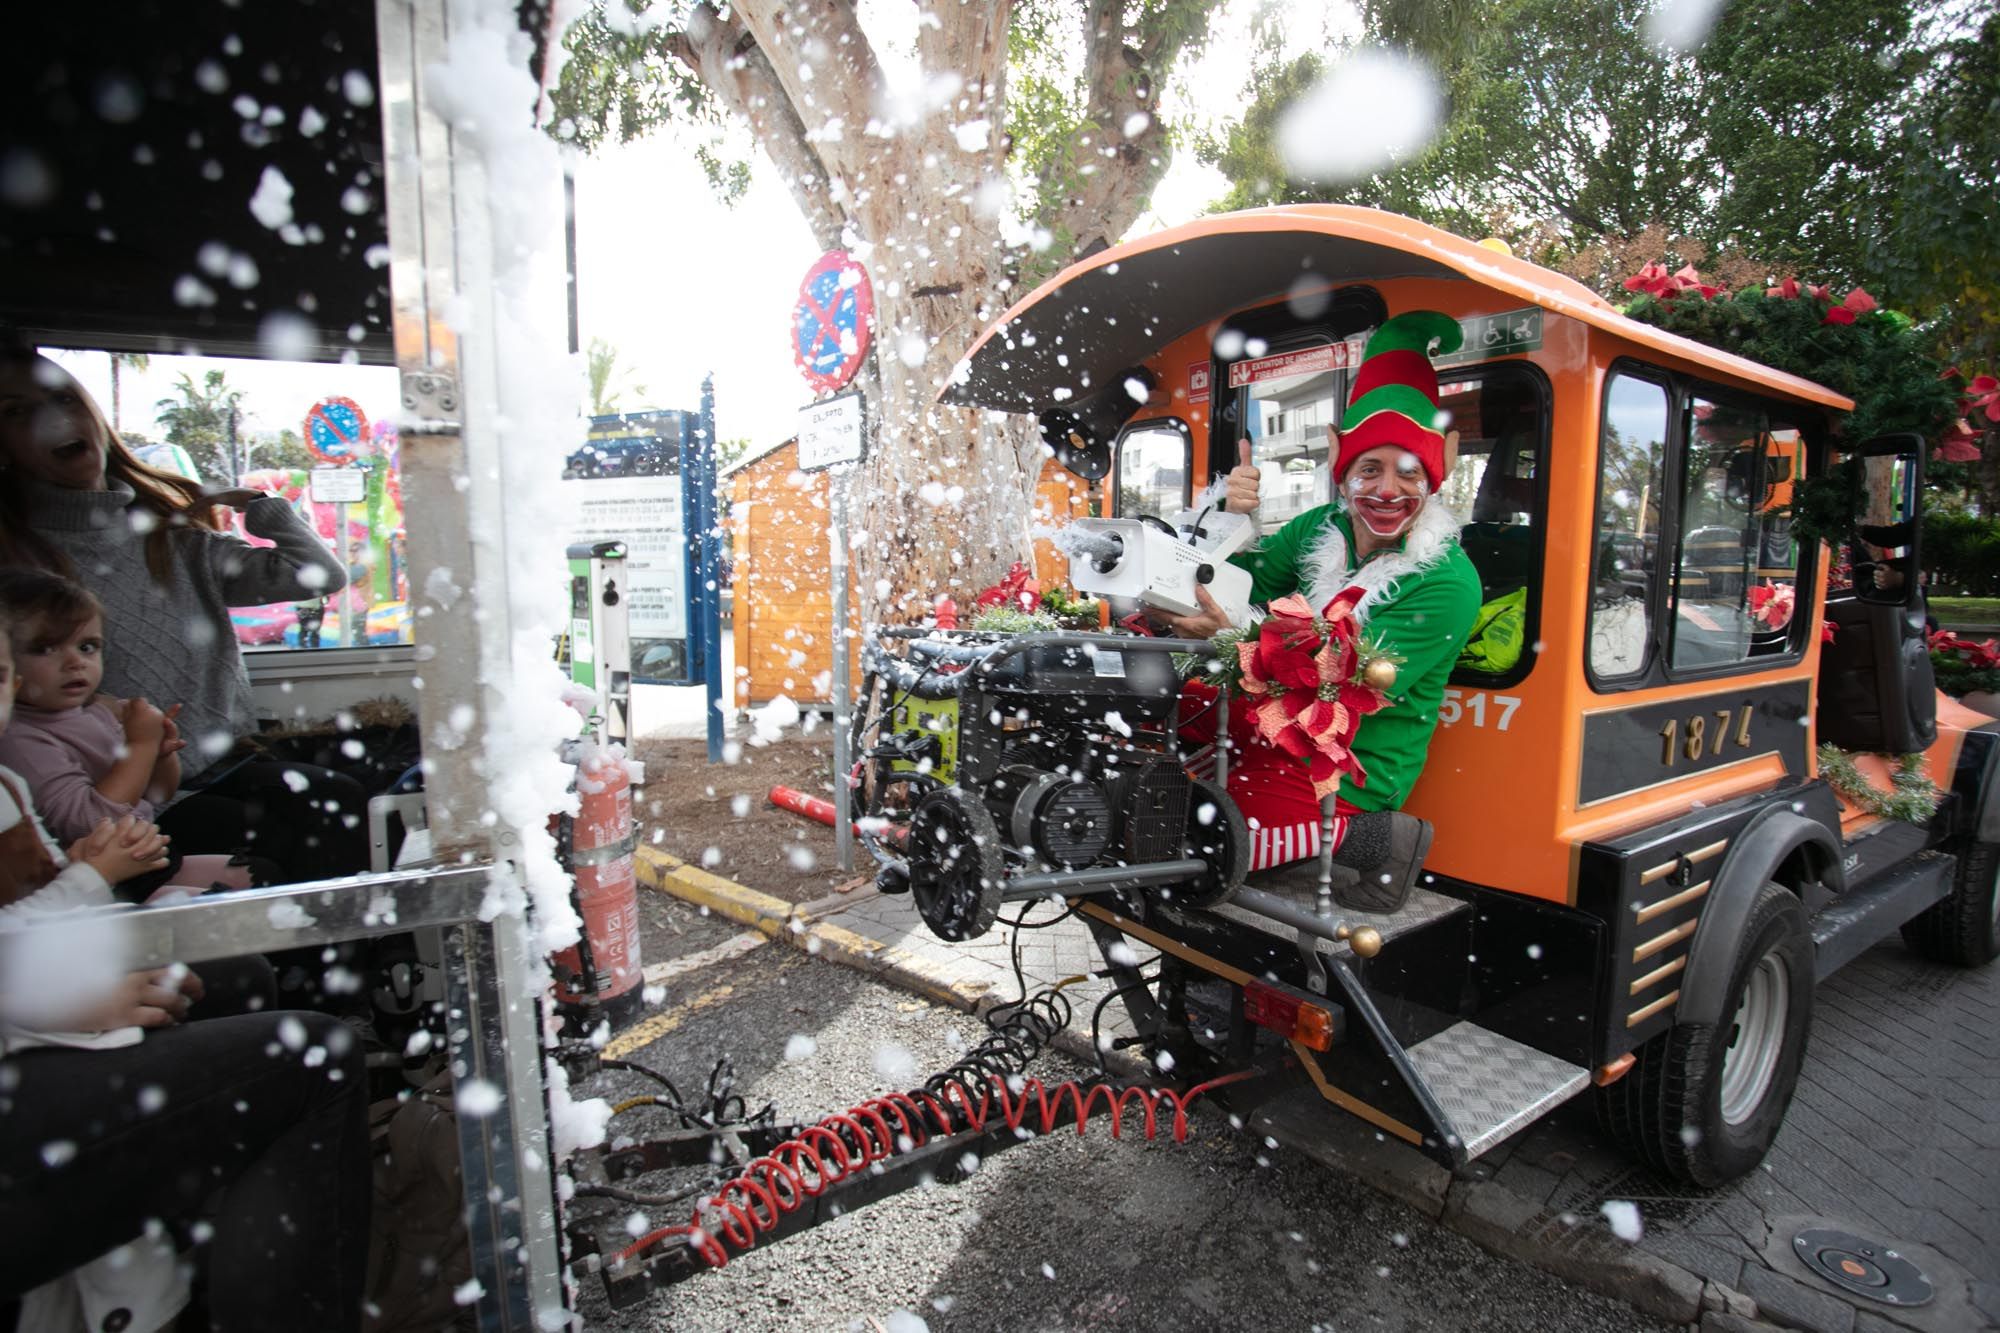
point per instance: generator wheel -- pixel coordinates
(956, 867)
(1218, 835)
(1703, 1102)
(1964, 927)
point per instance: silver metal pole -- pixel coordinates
(345, 597)
(843, 821)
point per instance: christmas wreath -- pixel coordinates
(1309, 678)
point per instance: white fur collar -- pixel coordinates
(1328, 571)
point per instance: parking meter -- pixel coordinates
(600, 647)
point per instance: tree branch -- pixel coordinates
(827, 68)
(1114, 173)
(726, 58)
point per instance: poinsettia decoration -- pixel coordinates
(1771, 604)
(1309, 678)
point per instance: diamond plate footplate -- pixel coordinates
(1423, 908)
(1490, 1085)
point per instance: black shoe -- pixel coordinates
(893, 879)
(1392, 845)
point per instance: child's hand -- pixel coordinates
(144, 725)
(170, 734)
(136, 847)
(94, 843)
(154, 999)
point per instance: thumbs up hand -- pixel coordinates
(1240, 488)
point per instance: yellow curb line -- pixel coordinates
(781, 920)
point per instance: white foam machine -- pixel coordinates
(1161, 564)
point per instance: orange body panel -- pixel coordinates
(1504, 801)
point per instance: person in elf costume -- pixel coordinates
(1385, 555)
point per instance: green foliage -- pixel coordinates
(203, 420)
(1936, 245)
(1961, 553)
(1879, 360)
(1071, 612)
(609, 381)
(1776, 138)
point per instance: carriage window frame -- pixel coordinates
(1139, 426)
(1681, 391)
(1537, 379)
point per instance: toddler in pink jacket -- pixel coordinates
(85, 756)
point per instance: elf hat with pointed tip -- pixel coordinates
(1395, 394)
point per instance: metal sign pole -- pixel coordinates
(843, 823)
(346, 637)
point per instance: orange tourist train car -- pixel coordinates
(1639, 871)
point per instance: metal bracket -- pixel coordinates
(430, 397)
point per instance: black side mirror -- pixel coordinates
(1075, 444)
(1887, 541)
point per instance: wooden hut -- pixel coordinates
(780, 583)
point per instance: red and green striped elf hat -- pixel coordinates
(1395, 395)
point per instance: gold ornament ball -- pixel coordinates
(1366, 941)
(1379, 674)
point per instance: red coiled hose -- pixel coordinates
(850, 1141)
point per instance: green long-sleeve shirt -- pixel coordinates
(1424, 619)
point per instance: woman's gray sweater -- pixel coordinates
(173, 643)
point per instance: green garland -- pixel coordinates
(1914, 798)
(1879, 359)
(1012, 620)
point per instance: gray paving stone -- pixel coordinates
(1795, 1305)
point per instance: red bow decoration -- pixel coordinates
(1300, 672)
(1019, 590)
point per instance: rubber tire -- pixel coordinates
(1961, 928)
(1667, 1110)
(951, 907)
(1223, 842)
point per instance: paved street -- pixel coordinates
(1071, 1233)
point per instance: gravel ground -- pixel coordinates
(1066, 1233)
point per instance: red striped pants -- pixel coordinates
(1270, 787)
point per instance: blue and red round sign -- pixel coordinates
(336, 430)
(833, 321)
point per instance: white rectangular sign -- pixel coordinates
(831, 432)
(645, 514)
(339, 485)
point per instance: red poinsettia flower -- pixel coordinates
(1984, 395)
(1690, 281)
(1839, 314)
(1819, 293)
(1787, 290)
(1826, 631)
(1654, 281)
(1859, 302)
(1960, 444)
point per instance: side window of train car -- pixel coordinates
(1736, 564)
(1631, 455)
(1500, 413)
(1154, 459)
(1291, 397)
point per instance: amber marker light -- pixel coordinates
(1295, 1019)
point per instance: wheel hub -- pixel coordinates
(1757, 1039)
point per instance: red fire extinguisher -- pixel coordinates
(603, 967)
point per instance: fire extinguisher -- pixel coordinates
(602, 969)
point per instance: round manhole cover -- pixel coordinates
(1865, 1267)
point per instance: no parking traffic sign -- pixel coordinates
(833, 320)
(336, 430)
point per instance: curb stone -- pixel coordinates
(1490, 1215)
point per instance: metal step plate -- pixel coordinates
(1422, 908)
(1490, 1085)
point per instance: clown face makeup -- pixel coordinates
(1385, 490)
